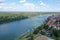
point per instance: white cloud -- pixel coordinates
(42, 4)
(25, 6)
(22, 1)
(29, 5)
(14, 6)
(13, 3)
(0, 7)
(4, 6)
(2, 1)
(44, 7)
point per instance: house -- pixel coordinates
(54, 22)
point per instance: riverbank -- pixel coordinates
(32, 35)
(49, 33)
(36, 33)
(6, 17)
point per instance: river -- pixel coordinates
(13, 30)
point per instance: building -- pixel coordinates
(54, 22)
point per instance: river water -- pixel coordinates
(13, 30)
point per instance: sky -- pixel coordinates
(30, 5)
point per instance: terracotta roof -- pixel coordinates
(52, 21)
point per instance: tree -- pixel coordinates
(46, 27)
(36, 31)
(55, 33)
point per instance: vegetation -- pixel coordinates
(31, 37)
(56, 34)
(6, 17)
(36, 31)
(44, 29)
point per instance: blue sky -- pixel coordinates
(30, 5)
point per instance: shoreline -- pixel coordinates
(34, 33)
(10, 17)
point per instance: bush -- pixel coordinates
(40, 28)
(46, 27)
(36, 31)
(55, 33)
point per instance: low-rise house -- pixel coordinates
(54, 22)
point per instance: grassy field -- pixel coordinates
(13, 14)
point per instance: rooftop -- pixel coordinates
(54, 21)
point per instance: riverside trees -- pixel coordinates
(6, 19)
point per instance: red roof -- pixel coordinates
(52, 20)
(56, 18)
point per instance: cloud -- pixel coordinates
(56, 9)
(13, 3)
(4, 6)
(44, 7)
(2, 1)
(58, 0)
(14, 6)
(22, 1)
(29, 5)
(43, 4)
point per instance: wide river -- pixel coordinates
(13, 30)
